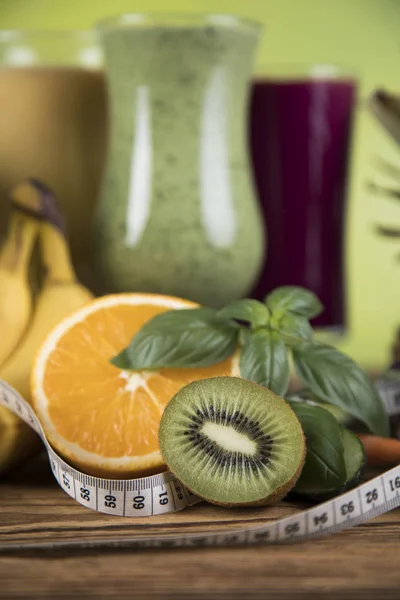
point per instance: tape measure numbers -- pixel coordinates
(389, 391)
(163, 493)
(142, 497)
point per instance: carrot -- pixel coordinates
(380, 451)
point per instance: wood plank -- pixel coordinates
(340, 566)
(361, 561)
(33, 506)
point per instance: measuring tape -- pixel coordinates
(388, 387)
(163, 493)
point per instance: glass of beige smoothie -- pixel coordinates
(53, 124)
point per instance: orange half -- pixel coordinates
(101, 419)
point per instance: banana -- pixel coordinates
(15, 292)
(60, 295)
(17, 441)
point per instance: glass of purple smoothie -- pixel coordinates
(300, 132)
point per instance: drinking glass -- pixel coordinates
(177, 212)
(53, 123)
(301, 122)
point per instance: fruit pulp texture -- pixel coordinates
(100, 418)
(300, 132)
(177, 213)
(53, 123)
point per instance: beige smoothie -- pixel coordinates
(53, 128)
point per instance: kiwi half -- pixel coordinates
(232, 442)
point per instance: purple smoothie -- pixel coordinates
(300, 133)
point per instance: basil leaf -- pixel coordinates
(334, 378)
(296, 326)
(354, 457)
(307, 397)
(253, 311)
(121, 360)
(264, 359)
(294, 299)
(182, 338)
(324, 468)
(301, 397)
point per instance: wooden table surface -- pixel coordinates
(363, 562)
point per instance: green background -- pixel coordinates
(363, 35)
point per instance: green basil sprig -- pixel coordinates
(295, 300)
(181, 338)
(293, 328)
(251, 311)
(264, 359)
(324, 467)
(270, 334)
(334, 378)
(330, 447)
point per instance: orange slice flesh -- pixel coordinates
(101, 419)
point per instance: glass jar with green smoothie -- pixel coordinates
(177, 213)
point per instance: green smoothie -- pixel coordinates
(177, 213)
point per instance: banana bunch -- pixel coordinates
(24, 324)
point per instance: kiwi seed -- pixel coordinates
(232, 442)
